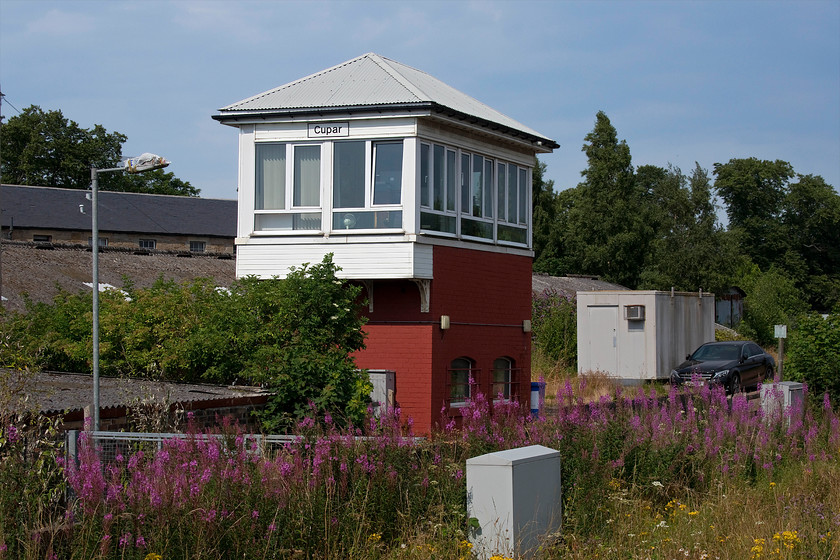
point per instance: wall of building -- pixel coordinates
(176, 243)
(487, 296)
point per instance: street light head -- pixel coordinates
(144, 162)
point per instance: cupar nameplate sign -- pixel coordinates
(328, 130)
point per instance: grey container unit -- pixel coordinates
(515, 496)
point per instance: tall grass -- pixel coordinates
(691, 475)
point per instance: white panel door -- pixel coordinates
(603, 341)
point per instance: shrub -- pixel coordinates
(555, 327)
(813, 354)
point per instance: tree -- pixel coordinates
(794, 226)
(811, 226)
(607, 234)
(754, 192)
(689, 250)
(543, 208)
(305, 348)
(46, 149)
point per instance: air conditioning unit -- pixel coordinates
(634, 312)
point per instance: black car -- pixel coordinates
(735, 365)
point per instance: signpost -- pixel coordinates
(781, 334)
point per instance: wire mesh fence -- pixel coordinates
(113, 446)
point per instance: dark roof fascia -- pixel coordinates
(231, 117)
(542, 144)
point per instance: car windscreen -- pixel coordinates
(717, 352)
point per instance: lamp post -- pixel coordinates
(140, 164)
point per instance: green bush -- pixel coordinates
(772, 299)
(555, 327)
(294, 335)
(813, 354)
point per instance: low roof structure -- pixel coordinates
(569, 286)
(52, 393)
(69, 209)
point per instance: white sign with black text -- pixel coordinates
(328, 130)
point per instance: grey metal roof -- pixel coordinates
(371, 80)
(52, 208)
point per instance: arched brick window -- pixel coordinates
(462, 376)
(504, 378)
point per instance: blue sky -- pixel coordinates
(681, 81)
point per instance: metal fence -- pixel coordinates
(110, 445)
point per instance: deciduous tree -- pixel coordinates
(45, 149)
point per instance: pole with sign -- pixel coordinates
(781, 334)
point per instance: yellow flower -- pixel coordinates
(374, 537)
(772, 485)
(693, 512)
(153, 556)
(465, 545)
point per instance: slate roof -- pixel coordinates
(53, 208)
(569, 286)
(51, 392)
(374, 82)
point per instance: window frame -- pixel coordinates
(511, 382)
(502, 216)
(203, 245)
(467, 365)
(382, 212)
(292, 213)
(147, 244)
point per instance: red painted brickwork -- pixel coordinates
(487, 297)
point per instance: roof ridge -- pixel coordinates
(388, 65)
(296, 82)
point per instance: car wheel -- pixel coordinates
(768, 374)
(735, 384)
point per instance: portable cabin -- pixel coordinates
(641, 335)
(423, 196)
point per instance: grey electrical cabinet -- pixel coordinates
(515, 497)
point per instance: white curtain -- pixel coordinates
(307, 176)
(271, 177)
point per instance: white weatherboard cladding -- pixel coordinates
(632, 350)
(362, 261)
(358, 129)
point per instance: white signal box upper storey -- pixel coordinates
(376, 162)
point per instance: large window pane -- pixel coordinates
(523, 196)
(513, 193)
(501, 175)
(387, 182)
(477, 185)
(307, 186)
(270, 177)
(349, 175)
(466, 207)
(488, 188)
(451, 175)
(440, 170)
(425, 180)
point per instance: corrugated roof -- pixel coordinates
(52, 208)
(371, 80)
(569, 286)
(51, 392)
